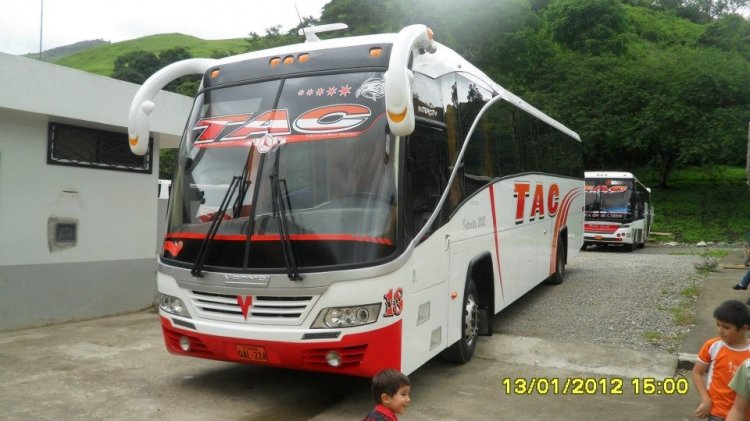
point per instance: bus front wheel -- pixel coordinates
(462, 351)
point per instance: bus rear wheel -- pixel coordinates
(462, 351)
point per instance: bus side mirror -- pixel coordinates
(399, 105)
(143, 102)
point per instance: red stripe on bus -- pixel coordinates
(562, 219)
(497, 239)
(601, 228)
(276, 237)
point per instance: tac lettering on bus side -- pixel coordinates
(543, 195)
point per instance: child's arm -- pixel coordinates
(699, 372)
(741, 385)
(739, 409)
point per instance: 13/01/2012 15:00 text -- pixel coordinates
(595, 386)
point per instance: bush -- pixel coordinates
(707, 264)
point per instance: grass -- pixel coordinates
(683, 313)
(652, 336)
(701, 203)
(717, 253)
(691, 292)
(100, 60)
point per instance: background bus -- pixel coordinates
(618, 209)
(358, 203)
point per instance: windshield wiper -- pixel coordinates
(200, 258)
(279, 209)
(244, 184)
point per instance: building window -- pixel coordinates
(84, 147)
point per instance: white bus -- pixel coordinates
(357, 203)
(618, 210)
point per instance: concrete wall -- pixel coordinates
(111, 268)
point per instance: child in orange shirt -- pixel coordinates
(719, 359)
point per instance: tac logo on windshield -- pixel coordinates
(605, 189)
(239, 127)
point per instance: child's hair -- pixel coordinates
(734, 312)
(387, 381)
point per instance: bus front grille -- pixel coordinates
(258, 309)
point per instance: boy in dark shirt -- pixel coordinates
(390, 391)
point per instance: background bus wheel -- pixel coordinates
(631, 247)
(462, 351)
(559, 275)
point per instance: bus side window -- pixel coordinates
(639, 204)
(426, 161)
(480, 165)
(454, 139)
(501, 141)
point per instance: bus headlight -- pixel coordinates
(172, 305)
(337, 317)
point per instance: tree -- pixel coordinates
(368, 17)
(728, 33)
(701, 11)
(136, 66)
(590, 26)
(716, 8)
(273, 38)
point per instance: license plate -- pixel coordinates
(598, 237)
(252, 353)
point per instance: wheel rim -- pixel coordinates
(471, 320)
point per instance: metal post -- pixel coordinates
(41, 26)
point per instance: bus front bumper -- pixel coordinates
(358, 354)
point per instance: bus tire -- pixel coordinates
(631, 247)
(462, 351)
(559, 276)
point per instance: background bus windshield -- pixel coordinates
(609, 199)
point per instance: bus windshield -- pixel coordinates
(303, 163)
(608, 199)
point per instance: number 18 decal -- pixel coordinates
(394, 302)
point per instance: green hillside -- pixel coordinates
(100, 60)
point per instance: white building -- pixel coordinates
(78, 212)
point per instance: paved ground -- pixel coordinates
(117, 368)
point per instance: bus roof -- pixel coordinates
(443, 61)
(609, 174)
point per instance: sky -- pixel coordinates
(69, 21)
